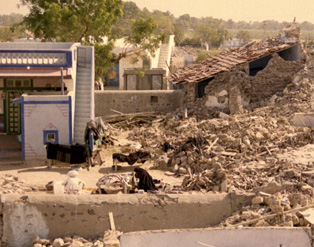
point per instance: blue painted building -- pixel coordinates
(46, 93)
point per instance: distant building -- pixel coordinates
(161, 60)
(232, 43)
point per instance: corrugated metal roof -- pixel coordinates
(227, 60)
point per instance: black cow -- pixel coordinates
(131, 159)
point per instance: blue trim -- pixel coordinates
(23, 130)
(68, 56)
(70, 121)
(45, 102)
(51, 132)
(35, 66)
(33, 51)
(18, 101)
(68, 59)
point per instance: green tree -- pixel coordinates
(201, 55)
(244, 35)
(178, 33)
(72, 20)
(88, 22)
(6, 34)
(207, 34)
(142, 36)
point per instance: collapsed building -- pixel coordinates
(243, 77)
(240, 170)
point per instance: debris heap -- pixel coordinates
(11, 184)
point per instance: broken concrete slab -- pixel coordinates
(245, 237)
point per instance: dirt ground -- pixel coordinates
(35, 173)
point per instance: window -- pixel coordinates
(10, 83)
(153, 99)
(26, 83)
(18, 83)
(51, 136)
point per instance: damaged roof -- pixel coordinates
(227, 60)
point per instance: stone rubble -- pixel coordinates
(244, 152)
(75, 241)
(11, 184)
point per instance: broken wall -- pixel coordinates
(235, 89)
(273, 79)
(51, 216)
(137, 101)
(229, 90)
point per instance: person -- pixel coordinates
(73, 185)
(146, 182)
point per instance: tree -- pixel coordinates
(6, 34)
(88, 22)
(72, 20)
(207, 34)
(178, 33)
(142, 35)
(244, 35)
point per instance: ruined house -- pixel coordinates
(247, 76)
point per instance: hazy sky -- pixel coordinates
(248, 10)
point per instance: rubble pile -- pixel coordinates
(244, 148)
(272, 79)
(11, 184)
(181, 51)
(68, 241)
(297, 96)
(280, 209)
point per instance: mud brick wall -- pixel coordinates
(137, 101)
(189, 95)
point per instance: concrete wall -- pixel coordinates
(246, 237)
(137, 101)
(51, 216)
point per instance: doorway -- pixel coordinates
(13, 113)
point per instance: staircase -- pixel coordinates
(165, 54)
(163, 57)
(83, 101)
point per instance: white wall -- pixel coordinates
(245, 237)
(44, 116)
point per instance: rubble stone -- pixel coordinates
(257, 200)
(58, 242)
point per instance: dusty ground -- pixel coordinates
(36, 173)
